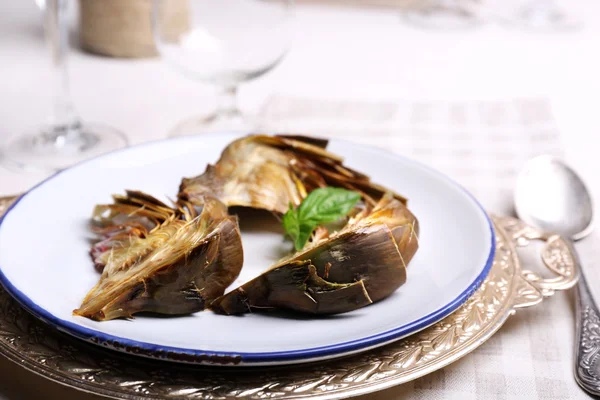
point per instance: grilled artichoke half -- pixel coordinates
(362, 263)
(159, 259)
(270, 172)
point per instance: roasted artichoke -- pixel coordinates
(160, 259)
(362, 263)
(180, 259)
(272, 172)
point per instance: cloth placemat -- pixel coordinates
(482, 145)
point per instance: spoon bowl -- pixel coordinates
(551, 196)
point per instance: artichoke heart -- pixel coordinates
(158, 259)
(362, 263)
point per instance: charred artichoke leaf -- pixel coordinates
(402, 223)
(350, 270)
(134, 215)
(270, 172)
(178, 268)
(314, 141)
(333, 298)
(226, 266)
(366, 252)
(294, 285)
(134, 206)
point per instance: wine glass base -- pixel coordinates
(544, 19)
(213, 123)
(43, 150)
(442, 18)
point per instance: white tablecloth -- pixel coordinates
(351, 54)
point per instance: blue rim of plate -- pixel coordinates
(257, 358)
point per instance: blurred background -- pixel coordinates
(370, 54)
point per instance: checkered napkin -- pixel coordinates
(482, 145)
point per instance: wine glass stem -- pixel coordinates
(228, 102)
(65, 122)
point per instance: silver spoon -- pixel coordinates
(551, 196)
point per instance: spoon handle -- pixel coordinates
(587, 350)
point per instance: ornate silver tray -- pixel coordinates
(56, 356)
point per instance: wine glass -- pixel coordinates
(224, 42)
(66, 140)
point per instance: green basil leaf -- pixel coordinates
(328, 204)
(321, 206)
(298, 231)
(291, 224)
(304, 234)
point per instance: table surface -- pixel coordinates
(339, 52)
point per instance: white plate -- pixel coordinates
(44, 261)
